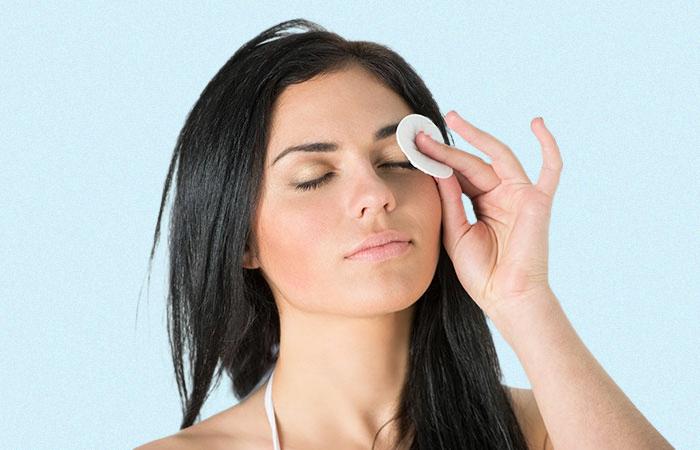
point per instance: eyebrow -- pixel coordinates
(382, 133)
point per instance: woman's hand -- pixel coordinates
(502, 258)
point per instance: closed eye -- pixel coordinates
(313, 184)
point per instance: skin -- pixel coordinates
(501, 260)
(344, 324)
(348, 372)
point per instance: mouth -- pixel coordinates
(382, 252)
(379, 239)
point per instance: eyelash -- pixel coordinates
(309, 185)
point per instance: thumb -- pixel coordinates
(454, 217)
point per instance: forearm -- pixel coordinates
(580, 404)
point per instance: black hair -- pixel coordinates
(223, 317)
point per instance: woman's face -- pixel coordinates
(303, 236)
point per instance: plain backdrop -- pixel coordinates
(93, 95)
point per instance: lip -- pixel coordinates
(379, 242)
(382, 252)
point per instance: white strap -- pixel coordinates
(270, 411)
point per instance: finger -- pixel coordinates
(477, 176)
(467, 186)
(552, 163)
(454, 217)
(504, 162)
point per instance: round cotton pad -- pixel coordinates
(406, 133)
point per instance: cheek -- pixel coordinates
(427, 207)
(293, 247)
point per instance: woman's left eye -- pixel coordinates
(313, 184)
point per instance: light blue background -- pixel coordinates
(93, 96)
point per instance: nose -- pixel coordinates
(371, 193)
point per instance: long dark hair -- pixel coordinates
(223, 316)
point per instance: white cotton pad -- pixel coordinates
(406, 133)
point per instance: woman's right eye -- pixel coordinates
(313, 184)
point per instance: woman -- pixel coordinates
(286, 164)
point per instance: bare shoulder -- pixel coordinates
(529, 418)
(174, 442)
(237, 428)
(196, 438)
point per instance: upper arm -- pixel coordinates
(530, 419)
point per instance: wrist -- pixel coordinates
(519, 314)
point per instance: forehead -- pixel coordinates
(340, 106)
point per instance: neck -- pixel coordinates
(339, 379)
